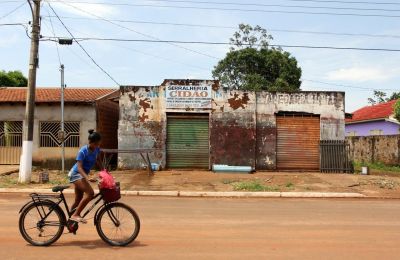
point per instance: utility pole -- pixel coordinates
(62, 135)
(25, 168)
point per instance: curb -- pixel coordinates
(211, 194)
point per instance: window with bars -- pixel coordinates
(49, 134)
(10, 133)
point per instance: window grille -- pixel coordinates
(49, 134)
(11, 133)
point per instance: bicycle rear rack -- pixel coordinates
(36, 197)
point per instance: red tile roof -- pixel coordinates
(380, 111)
(52, 95)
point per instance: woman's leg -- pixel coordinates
(78, 197)
(84, 186)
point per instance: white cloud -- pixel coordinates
(362, 74)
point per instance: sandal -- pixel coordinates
(79, 220)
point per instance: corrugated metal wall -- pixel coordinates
(298, 142)
(188, 141)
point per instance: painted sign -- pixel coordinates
(180, 96)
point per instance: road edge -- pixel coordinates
(214, 194)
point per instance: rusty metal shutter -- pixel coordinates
(298, 142)
(188, 141)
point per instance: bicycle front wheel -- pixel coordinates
(41, 224)
(117, 224)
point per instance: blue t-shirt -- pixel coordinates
(87, 157)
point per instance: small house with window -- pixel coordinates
(373, 120)
(85, 108)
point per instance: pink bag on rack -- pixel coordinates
(106, 180)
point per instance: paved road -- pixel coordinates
(188, 228)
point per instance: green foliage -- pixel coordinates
(252, 186)
(252, 65)
(381, 97)
(377, 166)
(12, 79)
(397, 110)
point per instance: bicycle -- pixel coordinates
(49, 220)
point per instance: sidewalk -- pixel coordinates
(209, 184)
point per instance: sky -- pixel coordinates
(143, 63)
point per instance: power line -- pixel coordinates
(233, 27)
(227, 43)
(239, 9)
(348, 86)
(145, 53)
(13, 10)
(303, 1)
(91, 58)
(137, 32)
(240, 4)
(54, 34)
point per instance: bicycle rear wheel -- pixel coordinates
(117, 224)
(39, 230)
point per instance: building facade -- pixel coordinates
(84, 109)
(373, 120)
(197, 123)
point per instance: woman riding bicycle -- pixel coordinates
(85, 160)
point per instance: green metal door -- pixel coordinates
(187, 141)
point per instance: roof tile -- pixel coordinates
(52, 95)
(380, 111)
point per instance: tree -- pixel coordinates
(397, 110)
(251, 64)
(381, 97)
(12, 79)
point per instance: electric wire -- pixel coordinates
(137, 32)
(229, 44)
(145, 53)
(12, 11)
(233, 27)
(237, 4)
(235, 9)
(54, 34)
(80, 45)
(349, 86)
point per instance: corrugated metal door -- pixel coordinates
(10, 142)
(298, 142)
(187, 141)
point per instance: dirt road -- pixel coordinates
(188, 228)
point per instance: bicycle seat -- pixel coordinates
(60, 188)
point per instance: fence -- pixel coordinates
(335, 157)
(369, 149)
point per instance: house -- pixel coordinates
(198, 123)
(373, 120)
(85, 108)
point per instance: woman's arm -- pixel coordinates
(82, 171)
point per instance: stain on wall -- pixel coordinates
(242, 123)
(368, 149)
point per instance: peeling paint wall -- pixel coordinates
(242, 124)
(233, 128)
(368, 149)
(329, 105)
(141, 125)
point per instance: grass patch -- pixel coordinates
(289, 185)
(252, 186)
(55, 178)
(228, 181)
(377, 166)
